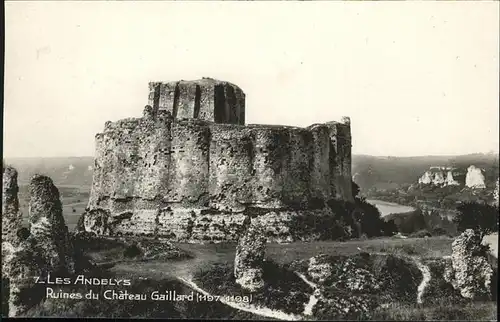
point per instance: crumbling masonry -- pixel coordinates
(46, 246)
(190, 169)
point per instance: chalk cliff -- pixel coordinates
(475, 178)
(191, 169)
(472, 178)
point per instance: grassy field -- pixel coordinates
(206, 255)
(73, 198)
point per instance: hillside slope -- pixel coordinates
(65, 171)
(368, 171)
(393, 172)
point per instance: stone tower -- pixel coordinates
(191, 169)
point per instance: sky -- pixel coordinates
(416, 78)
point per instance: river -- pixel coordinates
(387, 208)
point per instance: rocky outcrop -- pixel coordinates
(346, 274)
(191, 157)
(439, 176)
(352, 287)
(11, 216)
(450, 180)
(474, 178)
(250, 253)
(426, 178)
(44, 248)
(344, 286)
(319, 268)
(26, 263)
(469, 272)
(47, 224)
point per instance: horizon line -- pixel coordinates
(354, 154)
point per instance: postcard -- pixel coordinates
(251, 160)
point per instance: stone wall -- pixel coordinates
(206, 99)
(146, 169)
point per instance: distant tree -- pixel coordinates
(370, 219)
(478, 216)
(390, 228)
(132, 251)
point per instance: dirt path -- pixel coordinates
(313, 299)
(426, 273)
(257, 310)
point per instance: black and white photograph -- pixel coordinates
(251, 160)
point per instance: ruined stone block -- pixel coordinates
(249, 256)
(470, 272)
(47, 224)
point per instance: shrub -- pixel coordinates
(132, 251)
(421, 234)
(390, 228)
(400, 277)
(283, 289)
(480, 217)
(410, 222)
(5, 296)
(439, 231)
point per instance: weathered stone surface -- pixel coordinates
(426, 178)
(470, 272)
(249, 256)
(206, 99)
(24, 264)
(11, 216)
(474, 178)
(192, 153)
(344, 274)
(319, 268)
(45, 248)
(194, 225)
(345, 286)
(440, 176)
(47, 224)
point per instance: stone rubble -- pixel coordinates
(351, 282)
(469, 272)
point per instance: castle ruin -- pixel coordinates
(191, 169)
